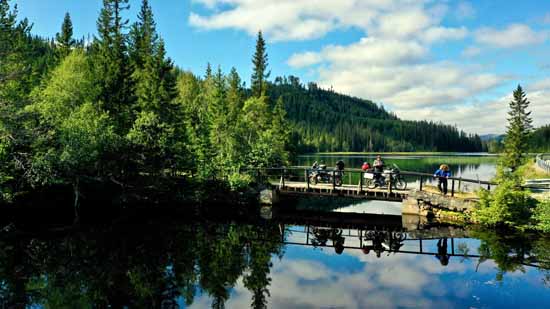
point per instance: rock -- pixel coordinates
(268, 197)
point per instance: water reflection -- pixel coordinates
(275, 264)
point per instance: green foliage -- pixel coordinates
(542, 215)
(518, 131)
(325, 121)
(70, 85)
(539, 140)
(239, 182)
(260, 73)
(507, 205)
(64, 39)
(85, 136)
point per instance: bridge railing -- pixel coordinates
(543, 161)
(356, 177)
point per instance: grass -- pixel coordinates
(461, 195)
(530, 170)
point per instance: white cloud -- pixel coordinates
(515, 35)
(304, 59)
(436, 34)
(488, 116)
(471, 51)
(394, 62)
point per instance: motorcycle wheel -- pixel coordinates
(400, 184)
(338, 182)
(313, 179)
(371, 184)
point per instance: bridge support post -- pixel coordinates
(421, 181)
(283, 178)
(306, 173)
(361, 182)
(333, 181)
(452, 187)
(390, 184)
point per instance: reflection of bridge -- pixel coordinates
(384, 242)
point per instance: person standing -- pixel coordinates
(378, 168)
(442, 174)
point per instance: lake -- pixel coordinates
(291, 260)
(479, 166)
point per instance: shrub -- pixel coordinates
(542, 215)
(239, 182)
(507, 205)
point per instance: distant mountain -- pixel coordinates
(490, 137)
(324, 121)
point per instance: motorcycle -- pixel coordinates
(397, 180)
(322, 175)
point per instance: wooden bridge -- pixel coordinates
(296, 181)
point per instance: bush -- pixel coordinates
(542, 215)
(239, 182)
(507, 205)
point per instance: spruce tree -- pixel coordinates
(143, 36)
(234, 94)
(64, 38)
(518, 130)
(260, 73)
(111, 62)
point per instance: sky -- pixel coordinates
(451, 61)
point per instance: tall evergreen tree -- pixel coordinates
(518, 130)
(112, 63)
(143, 36)
(65, 38)
(260, 73)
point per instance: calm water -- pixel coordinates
(293, 260)
(472, 166)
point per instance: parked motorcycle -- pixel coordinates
(322, 175)
(397, 180)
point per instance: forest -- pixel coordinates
(325, 121)
(117, 109)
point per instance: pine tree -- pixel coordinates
(235, 97)
(143, 36)
(111, 62)
(65, 39)
(260, 62)
(518, 131)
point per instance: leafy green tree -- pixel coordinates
(74, 134)
(65, 39)
(281, 134)
(260, 73)
(518, 131)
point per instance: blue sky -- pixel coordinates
(451, 60)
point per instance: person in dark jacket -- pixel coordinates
(442, 174)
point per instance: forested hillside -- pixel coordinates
(324, 120)
(540, 139)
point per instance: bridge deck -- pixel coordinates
(302, 188)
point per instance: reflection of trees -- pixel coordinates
(136, 266)
(541, 249)
(510, 251)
